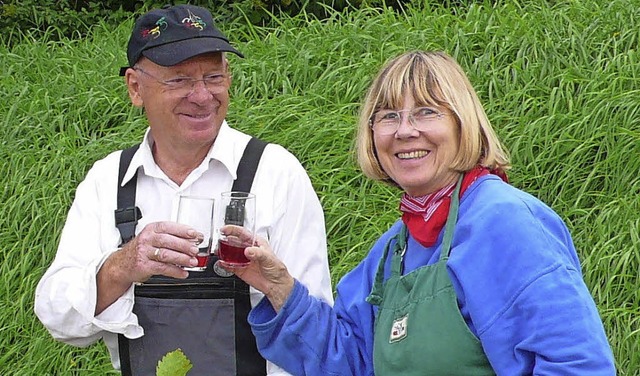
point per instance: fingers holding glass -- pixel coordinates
(236, 226)
(197, 212)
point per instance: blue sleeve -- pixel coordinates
(555, 329)
(520, 287)
(308, 337)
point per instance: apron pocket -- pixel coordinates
(170, 324)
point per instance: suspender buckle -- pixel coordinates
(126, 215)
(126, 221)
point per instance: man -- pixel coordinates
(179, 75)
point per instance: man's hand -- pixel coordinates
(161, 248)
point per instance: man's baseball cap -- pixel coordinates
(173, 34)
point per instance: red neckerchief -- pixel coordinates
(425, 216)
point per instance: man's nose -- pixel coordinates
(199, 91)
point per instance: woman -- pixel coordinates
(476, 278)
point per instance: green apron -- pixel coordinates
(419, 329)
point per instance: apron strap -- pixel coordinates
(452, 218)
(375, 297)
(398, 251)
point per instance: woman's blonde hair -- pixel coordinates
(433, 79)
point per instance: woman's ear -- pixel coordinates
(131, 78)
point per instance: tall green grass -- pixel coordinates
(559, 79)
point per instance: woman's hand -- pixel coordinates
(265, 272)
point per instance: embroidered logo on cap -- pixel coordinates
(194, 21)
(161, 24)
(398, 329)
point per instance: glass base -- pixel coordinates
(195, 268)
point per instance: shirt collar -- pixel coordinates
(223, 151)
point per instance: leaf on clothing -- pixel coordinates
(174, 363)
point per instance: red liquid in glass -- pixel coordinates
(232, 252)
(203, 260)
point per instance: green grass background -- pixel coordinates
(559, 79)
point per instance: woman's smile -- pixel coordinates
(419, 161)
(416, 154)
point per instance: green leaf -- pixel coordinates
(174, 363)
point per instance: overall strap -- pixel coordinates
(127, 213)
(248, 165)
(126, 217)
(251, 359)
(234, 213)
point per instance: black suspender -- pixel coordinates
(127, 214)
(248, 165)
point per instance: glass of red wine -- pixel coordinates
(197, 212)
(236, 209)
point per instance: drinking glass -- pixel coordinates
(197, 212)
(238, 209)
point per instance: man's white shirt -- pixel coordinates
(289, 215)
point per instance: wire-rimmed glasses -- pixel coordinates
(215, 83)
(386, 122)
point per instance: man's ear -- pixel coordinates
(132, 79)
(227, 70)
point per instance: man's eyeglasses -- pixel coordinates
(215, 83)
(386, 122)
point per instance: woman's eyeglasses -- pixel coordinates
(386, 122)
